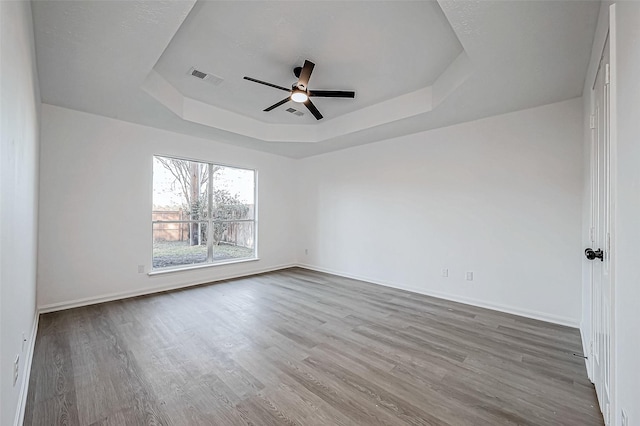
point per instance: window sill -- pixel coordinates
(201, 266)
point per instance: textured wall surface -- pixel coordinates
(92, 167)
(499, 197)
(19, 136)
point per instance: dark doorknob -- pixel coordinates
(591, 254)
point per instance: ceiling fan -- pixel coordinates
(300, 93)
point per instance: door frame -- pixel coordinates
(613, 141)
(611, 36)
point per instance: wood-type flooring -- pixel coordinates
(297, 347)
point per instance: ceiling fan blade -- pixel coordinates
(267, 84)
(332, 94)
(311, 107)
(305, 74)
(284, 101)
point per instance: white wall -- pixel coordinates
(19, 111)
(626, 70)
(95, 207)
(500, 197)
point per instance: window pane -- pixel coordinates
(233, 240)
(178, 244)
(233, 193)
(180, 186)
(189, 197)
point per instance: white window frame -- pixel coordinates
(210, 221)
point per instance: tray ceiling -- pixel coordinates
(414, 65)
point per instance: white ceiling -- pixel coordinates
(414, 65)
(375, 54)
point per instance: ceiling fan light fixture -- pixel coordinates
(299, 96)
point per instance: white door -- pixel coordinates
(601, 316)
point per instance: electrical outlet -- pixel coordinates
(624, 420)
(141, 269)
(16, 368)
(469, 276)
(306, 251)
(445, 272)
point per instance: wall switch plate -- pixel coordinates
(141, 269)
(469, 276)
(624, 420)
(16, 368)
(445, 272)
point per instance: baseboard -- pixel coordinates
(28, 359)
(454, 298)
(586, 352)
(53, 307)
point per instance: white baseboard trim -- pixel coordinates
(586, 352)
(555, 319)
(53, 307)
(24, 388)
(455, 298)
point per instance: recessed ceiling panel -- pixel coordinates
(379, 49)
(99, 57)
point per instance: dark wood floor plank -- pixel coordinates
(298, 347)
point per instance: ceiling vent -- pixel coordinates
(295, 112)
(208, 77)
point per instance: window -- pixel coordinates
(203, 213)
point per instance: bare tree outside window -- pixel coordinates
(190, 179)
